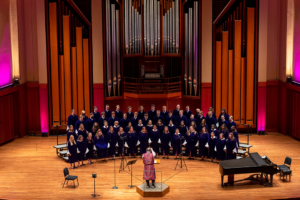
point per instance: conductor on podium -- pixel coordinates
(149, 170)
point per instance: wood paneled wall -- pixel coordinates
(235, 60)
(69, 60)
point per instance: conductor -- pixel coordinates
(149, 170)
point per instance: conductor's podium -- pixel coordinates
(160, 190)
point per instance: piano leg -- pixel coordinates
(271, 180)
(222, 177)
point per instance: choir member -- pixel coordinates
(89, 144)
(157, 117)
(135, 119)
(213, 114)
(203, 124)
(199, 118)
(146, 119)
(171, 128)
(111, 121)
(79, 121)
(220, 145)
(223, 129)
(152, 112)
(129, 112)
(84, 116)
(102, 119)
(164, 112)
(81, 148)
(116, 127)
(105, 128)
(203, 143)
(149, 126)
(128, 127)
(121, 140)
(72, 151)
(95, 129)
(197, 112)
(165, 142)
(72, 119)
(82, 132)
(169, 117)
(230, 123)
(235, 134)
(176, 111)
(215, 130)
(139, 126)
(70, 132)
(191, 141)
(124, 121)
(142, 113)
(96, 113)
(155, 139)
(160, 126)
(118, 112)
(89, 122)
(193, 124)
(143, 138)
(210, 120)
(107, 112)
(180, 117)
(100, 144)
(187, 113)
(111, 138)
(131, 142)
(223, 121)
(231, 147)
(176, 143)
(190, 119)
(223, 112)
(182, 128)
(212, 145)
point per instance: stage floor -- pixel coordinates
(29, 169)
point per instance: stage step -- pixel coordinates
(245, 146)
(60, 146)
(66, 158)
(239, 157)
(241, 151)
(63, 152)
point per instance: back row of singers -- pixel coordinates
(165, 117)
(212, 145)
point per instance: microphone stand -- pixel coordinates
(115, 187)
(182, 161)
(123, 159)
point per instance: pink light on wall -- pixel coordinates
(261, 107)
(5, 58)
(44, 120)
(296, 74)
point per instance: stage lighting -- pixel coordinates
(44, 134)
(16, 81)
(288, 79)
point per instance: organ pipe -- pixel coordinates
(114, 50)
(108, 47)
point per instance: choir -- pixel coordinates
(103, 133)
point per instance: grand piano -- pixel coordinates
(254, 163)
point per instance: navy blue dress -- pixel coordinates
(129, 115)
(220, 144)
(77, 124)
(226, 117)
(90, 146)
(107, 114)
(112, 139)
(212, 145)
(230, 146)
(229, 124)
(134, 121)
(116, 129)
(89, 124)
(138, 128)
(127, 129)
(83, 133)
(141, 115)
(96, 116)
(203, 139)
(210, 121)
(104, 130)
(156, 118)
(101, 121)
(82, 149)
(124, 123)
(143, 138)
(168, 118)
(198, 120)
(191, 142)
(161, 129)
(111, 121)
(132, 141)
(155, 136)
(176, 144)
(225, 133)
(236, 136)
(121, 142)
(151, 114)
(145, 121)
(149, 129)
(176, 112)
(119, 114)
(187, 114)
(101, 146)
(215, 131)
(179, 119)
(182, 130)
(164, 114)
(73, 151)
(72, 119)
(165, 139)
(172, 129)
(69, 134)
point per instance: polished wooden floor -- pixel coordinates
(29, 169)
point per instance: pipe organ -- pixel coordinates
(171, 28)
(113, 60)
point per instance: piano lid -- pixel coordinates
(254, 160)
(258, 159)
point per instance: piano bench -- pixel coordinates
(285, 171)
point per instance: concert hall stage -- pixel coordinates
(31, 170)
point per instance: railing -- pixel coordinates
(56, 130)
(249, 127)
(152, 86)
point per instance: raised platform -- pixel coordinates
(160, 190)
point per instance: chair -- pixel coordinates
(285, 169)
(69, 177)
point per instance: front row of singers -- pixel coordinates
(216, 145)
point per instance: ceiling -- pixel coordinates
(85, 7)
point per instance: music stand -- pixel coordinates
(131, 163)
(123, 159)
(182, 161)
